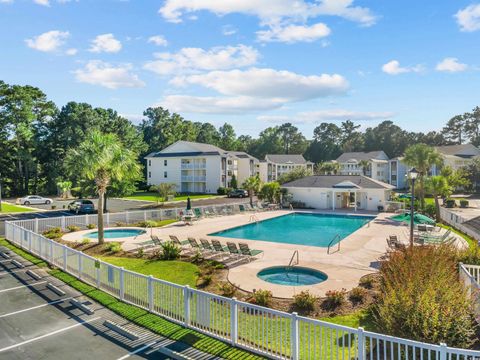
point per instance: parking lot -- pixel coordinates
(38, 323)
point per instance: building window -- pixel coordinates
(149, 174)
(149, 162)
(165, 163)
(165, 175)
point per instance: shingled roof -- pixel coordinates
(361, 155)
(338, 181)
(286, 158)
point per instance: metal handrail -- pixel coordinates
(293, 257)
(332, 241)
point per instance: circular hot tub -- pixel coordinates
(292, 276)
(116, 233)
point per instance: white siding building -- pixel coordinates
(356, 192)
(198, 168)
(275, 166)
(378, 167)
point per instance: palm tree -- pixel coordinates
(422, 157)
(328, 168)
(164, 190)
(103, 158)
(252, 184)
(438, 186)
(365, 165)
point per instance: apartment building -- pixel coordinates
(198, 168)
(352, 163)
(275, 165)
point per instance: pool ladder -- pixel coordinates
(332, 241)
(292, 260)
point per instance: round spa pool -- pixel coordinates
(292, 276)
(116, 233)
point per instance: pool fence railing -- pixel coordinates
(267, 332)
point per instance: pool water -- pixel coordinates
(300, 228)
(116, 233)
(293, 276)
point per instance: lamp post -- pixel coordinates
(412, 174)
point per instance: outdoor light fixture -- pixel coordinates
(412, 174)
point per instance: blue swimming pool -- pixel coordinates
(293, 276)
(299, 228)
(116, 233)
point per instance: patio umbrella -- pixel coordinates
(417, 219)
(189, 204)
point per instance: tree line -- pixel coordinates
(36, 135)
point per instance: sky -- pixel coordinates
(251, 63)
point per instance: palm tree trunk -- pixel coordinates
(101, 194)
(250, 192)
(437, 208)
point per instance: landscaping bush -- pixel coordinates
(358, 295)
(450, 203)
(114, 247)
(73, 228)
(140, 253)
(261, 297)
(227, 289)
(470, 255)
(147, 224)
(464, 203)
(334, 299)
(120, 224)
(204, 281)
(304, 302)
(430, 210)
(223, 190)
(170, 251)
(86, 241)
(367, 282)
(91, 226)
(53, 233)
(422, 299)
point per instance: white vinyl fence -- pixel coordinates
(271, 333)
(457, 221)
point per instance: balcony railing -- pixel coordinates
(193, 166)
(194, 178)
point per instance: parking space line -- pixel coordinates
(4, 261)
(41, 215)
(22, 286)
(138, 350)
(48, 334)
(12, 271)
(35, 307)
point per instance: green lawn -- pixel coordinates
(178, 272)
(152, 196)
(9, 208)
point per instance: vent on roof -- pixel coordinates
(346, 185)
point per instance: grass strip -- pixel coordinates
(142, 317)
(471, 241)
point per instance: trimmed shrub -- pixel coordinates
(358, 295)
(430, 210)
(223, 190)
(73, 228)
(450, 203)
(261, 297)
(91, 226)
(170, 251)
(470, 255)
(53, 233)
(114, 247)
(421, 298)
(367, 282)
(464, 203)
(86, 241)
(120, 224)
(304, 302)
(204, 281)
(334, 299)
(147, 224)
(227, 289)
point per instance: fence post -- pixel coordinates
(443, 351)
(86, 220)
(294, 337)
(65, 258)
(63, 223)
(29, 242)
(126, 218)
(36, 225)
(150, 294)
(122, 284)
(108, 219)
(80, 267)
(186, 300)
(361, 343)
(144, 215)
(98, 276)
(51, 252)
(234, 321)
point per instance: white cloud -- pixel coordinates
(6, 1)
(270, 11)
(451, 64)
(218, 105)
(393, 68)
(71, 52)
(97, 72)
(469, 18)
(158, 40)
(105, 43)
(229, 30)
(294, 33)
(282, 86)
(49, 41)
(42, 2)
(194, 59)
(327, 115)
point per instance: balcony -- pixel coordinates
(199, 166)
(194, 178)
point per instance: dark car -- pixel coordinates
(81, 206)
(238, 193)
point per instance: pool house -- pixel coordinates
(332, 192)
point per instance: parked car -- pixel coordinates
(238, 193)
(81, 206)
(33, 200)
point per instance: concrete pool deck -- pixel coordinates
(358, 255)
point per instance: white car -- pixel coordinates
(33, 200)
